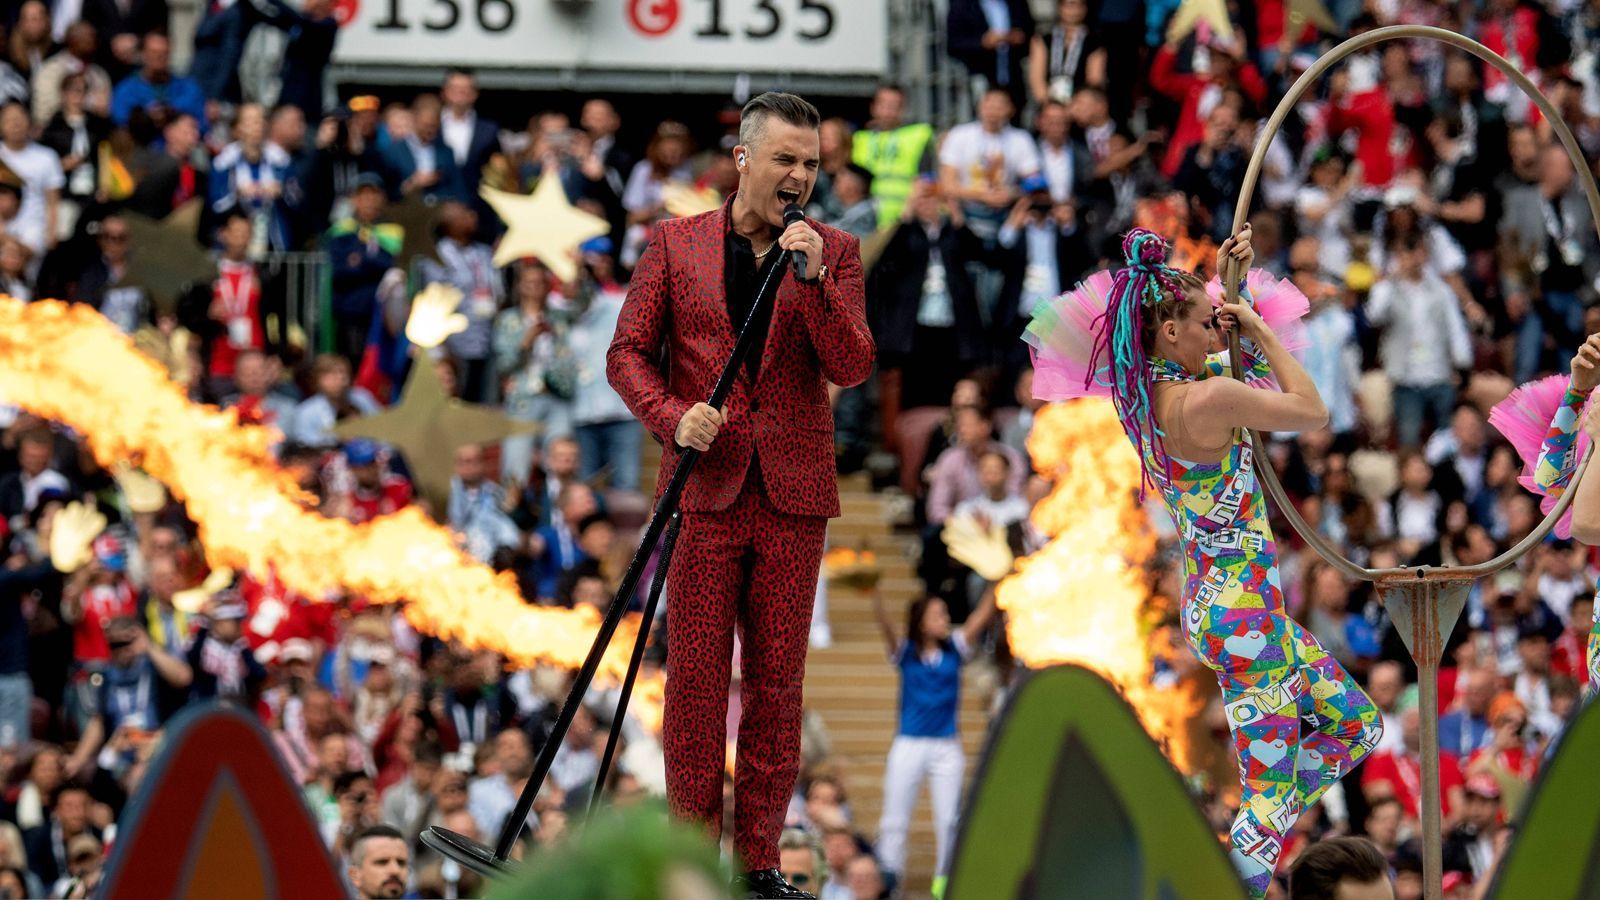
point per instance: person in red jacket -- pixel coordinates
(1368, 111)
(755, 512)
(1510, 29)
(1199, 92)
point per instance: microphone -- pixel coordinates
(792, 214)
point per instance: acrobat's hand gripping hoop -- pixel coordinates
(1424, 602)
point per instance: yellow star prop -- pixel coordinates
(543, 225)
(1192, 12)
(67, 363)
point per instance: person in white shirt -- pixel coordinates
(1424, 339)
(1385, 683)
(335, 399)
(982, 163)
(39, 168)
(609, 437)
(1059, 161)
(998, 505)
(1532, 683)
(1332, 357)
(490, 798)
(1416, 506)
(1323, 207)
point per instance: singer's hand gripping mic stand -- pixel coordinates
(496, 862)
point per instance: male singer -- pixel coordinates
(755, 510)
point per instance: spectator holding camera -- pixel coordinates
(128, 702)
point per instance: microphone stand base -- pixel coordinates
(470, 853)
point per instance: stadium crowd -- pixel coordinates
(1416, 198)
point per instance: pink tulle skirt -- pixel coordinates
(1523, 417)
(1061, 336)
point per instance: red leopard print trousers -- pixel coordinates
(756, 567)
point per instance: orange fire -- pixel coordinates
(649, 700)
(69, 364)
(1085, 598)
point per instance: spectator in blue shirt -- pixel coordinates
(1465, 728)
(927, 744)
(557, 547)
(155, 89)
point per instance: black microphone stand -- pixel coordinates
(496, 862)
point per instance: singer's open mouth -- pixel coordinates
(788, 196)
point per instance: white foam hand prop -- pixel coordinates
(434, 316)
(193, 599)
(983, 550)
(72, 534)
(145, 494)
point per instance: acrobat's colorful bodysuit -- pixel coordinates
(1558, 459)
(1273, 673)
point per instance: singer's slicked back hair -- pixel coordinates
(788, 107)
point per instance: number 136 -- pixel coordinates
(493, 16)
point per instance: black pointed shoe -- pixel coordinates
(767, 884)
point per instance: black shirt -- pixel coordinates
(1559, 274)
(745, 274)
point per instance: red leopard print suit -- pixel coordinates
(748, 554)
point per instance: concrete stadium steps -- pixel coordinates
(853, 685)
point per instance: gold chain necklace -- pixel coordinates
(762, 253)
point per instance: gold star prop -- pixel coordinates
(428, 425)
(543, 225)
(417, 217)
(1298, 12)
(1192, 12)
(165, 257)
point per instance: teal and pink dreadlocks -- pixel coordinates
(1137, 284)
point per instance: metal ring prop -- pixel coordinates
(1230, 280)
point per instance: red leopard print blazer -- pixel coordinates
(819, 334)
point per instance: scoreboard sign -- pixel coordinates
(811, 36)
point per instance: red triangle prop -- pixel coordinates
(217, 816)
